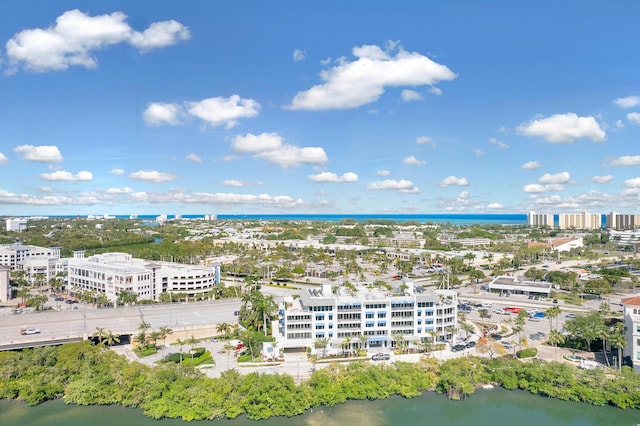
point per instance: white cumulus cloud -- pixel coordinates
(194, 157)
(123, 190)
(383, 173)
(413, 161)
(218, 111)
(625, 160)
(564, 128)
(270, 147)
(405, 186)
(531, 165)
(363, 81)
(602, 179)
(633, 183)
(454, 181)
(498, 143)
(158, 113)
(152, 176)
(634, 117)
(66, 176)
(495, 206)
(627, 102)
(232, 182)
(75, 37)
(562, 177)
(3, 159)
(40, 154)
(256, 143)
(534, 187)
(332, 177)
(299, 55)
(410, 95)
(117, 172)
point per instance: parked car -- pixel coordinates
(29, 330)
(471, 344)
(381, 357)
(458, 348)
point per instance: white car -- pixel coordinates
(29, 330)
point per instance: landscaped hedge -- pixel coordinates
(527, 353)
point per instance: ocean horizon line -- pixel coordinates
(455, 218)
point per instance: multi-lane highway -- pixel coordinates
(74, 324)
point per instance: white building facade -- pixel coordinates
(540, 220)
(371, 314)
(632, 323)
(113, 273)
(39, 264)
(16, 225)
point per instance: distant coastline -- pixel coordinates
(455, 219)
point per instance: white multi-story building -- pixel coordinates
(371, 314)
(113, 273)
(540, 220)
(16, 225)
(632, 323)
(15, 255)
(584, 220)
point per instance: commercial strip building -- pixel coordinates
(518, 285)
(370, 314)
(113, 273)
(631, 351)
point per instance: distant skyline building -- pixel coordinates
(584, 220)
(623, 221)
(16, 225)
(540, 220)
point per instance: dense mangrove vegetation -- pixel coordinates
(80, 373)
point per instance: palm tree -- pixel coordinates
(192, 341)
(269, 307)
(467, 328)
(555, 338)
(222, 328)
(111, 338)
(154, 336)
(180, 343)
(164, 332)
(321, 344)
(551, 313)
(619, 340)
(228, 347)
(141, 339)
(100, 334)
(144, 326)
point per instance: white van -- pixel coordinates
(486, 305)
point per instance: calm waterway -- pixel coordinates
(486, 407)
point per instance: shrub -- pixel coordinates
(527, 353)
(245, 358)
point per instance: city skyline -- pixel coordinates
(254, 108)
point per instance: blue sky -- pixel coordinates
(250, 107)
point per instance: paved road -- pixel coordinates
(74, 323)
